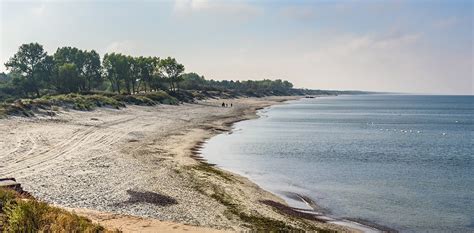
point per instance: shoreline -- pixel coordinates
(138, 161)
(315, 212)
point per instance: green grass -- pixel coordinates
(160, 97)
(83, 102)
(18, 214)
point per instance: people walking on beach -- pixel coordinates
(224, 105)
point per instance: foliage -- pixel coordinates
(171, 70)
(72, 70)
(76, 78)
(34, 66)
(84, 102)
(84, 70)
(18, 214)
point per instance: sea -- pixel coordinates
(401, 161)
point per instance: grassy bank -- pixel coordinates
(85, 102)
(20, 213)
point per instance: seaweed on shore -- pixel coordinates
(208, 168)
(234, 209)
(252, 221)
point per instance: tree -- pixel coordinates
(92, 70)
(71, 55)
(147, 67)
(34, 65)
(133, 74)
(68, 78)
(192, 81)
(87, 65)
(117, 70)
(171, 70)
(4, 77)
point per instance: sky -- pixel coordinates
(422, 46)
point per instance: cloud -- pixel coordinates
(446, 22)
(395, 38)
(126, 47)
(298, 12)
(393, 61)
(228, 8)
(390, 40)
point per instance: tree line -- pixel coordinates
(33, 73)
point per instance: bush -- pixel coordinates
(6, 196)
(87, 102)
(160, 97)
(137, 100)
(83, 102)
(29, 215)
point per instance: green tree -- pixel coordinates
(192, 81)
(71, 55)
(171, 70)
(4, 77)
(87, 65)
(92, 70)
(33, 64)
(117, 70)
(68, 78)
(147, 67)
(134, 74)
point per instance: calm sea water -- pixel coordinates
(403, 161)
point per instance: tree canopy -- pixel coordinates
(33, 65)
(71, 70)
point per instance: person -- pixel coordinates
(223, 104)
(231, 105)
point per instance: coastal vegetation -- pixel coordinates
(81, 80)
(22, 213)
(234, 208)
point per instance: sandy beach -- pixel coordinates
(136, 168)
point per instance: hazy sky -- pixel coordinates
(423, 46)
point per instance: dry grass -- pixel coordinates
(18, 214)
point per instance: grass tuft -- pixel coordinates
(18, 214)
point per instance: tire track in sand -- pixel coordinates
(92, 137)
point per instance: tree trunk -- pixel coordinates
(113, 85)
(118, 86)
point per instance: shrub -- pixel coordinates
(29, 215)
(137, 100)
(160, 97)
